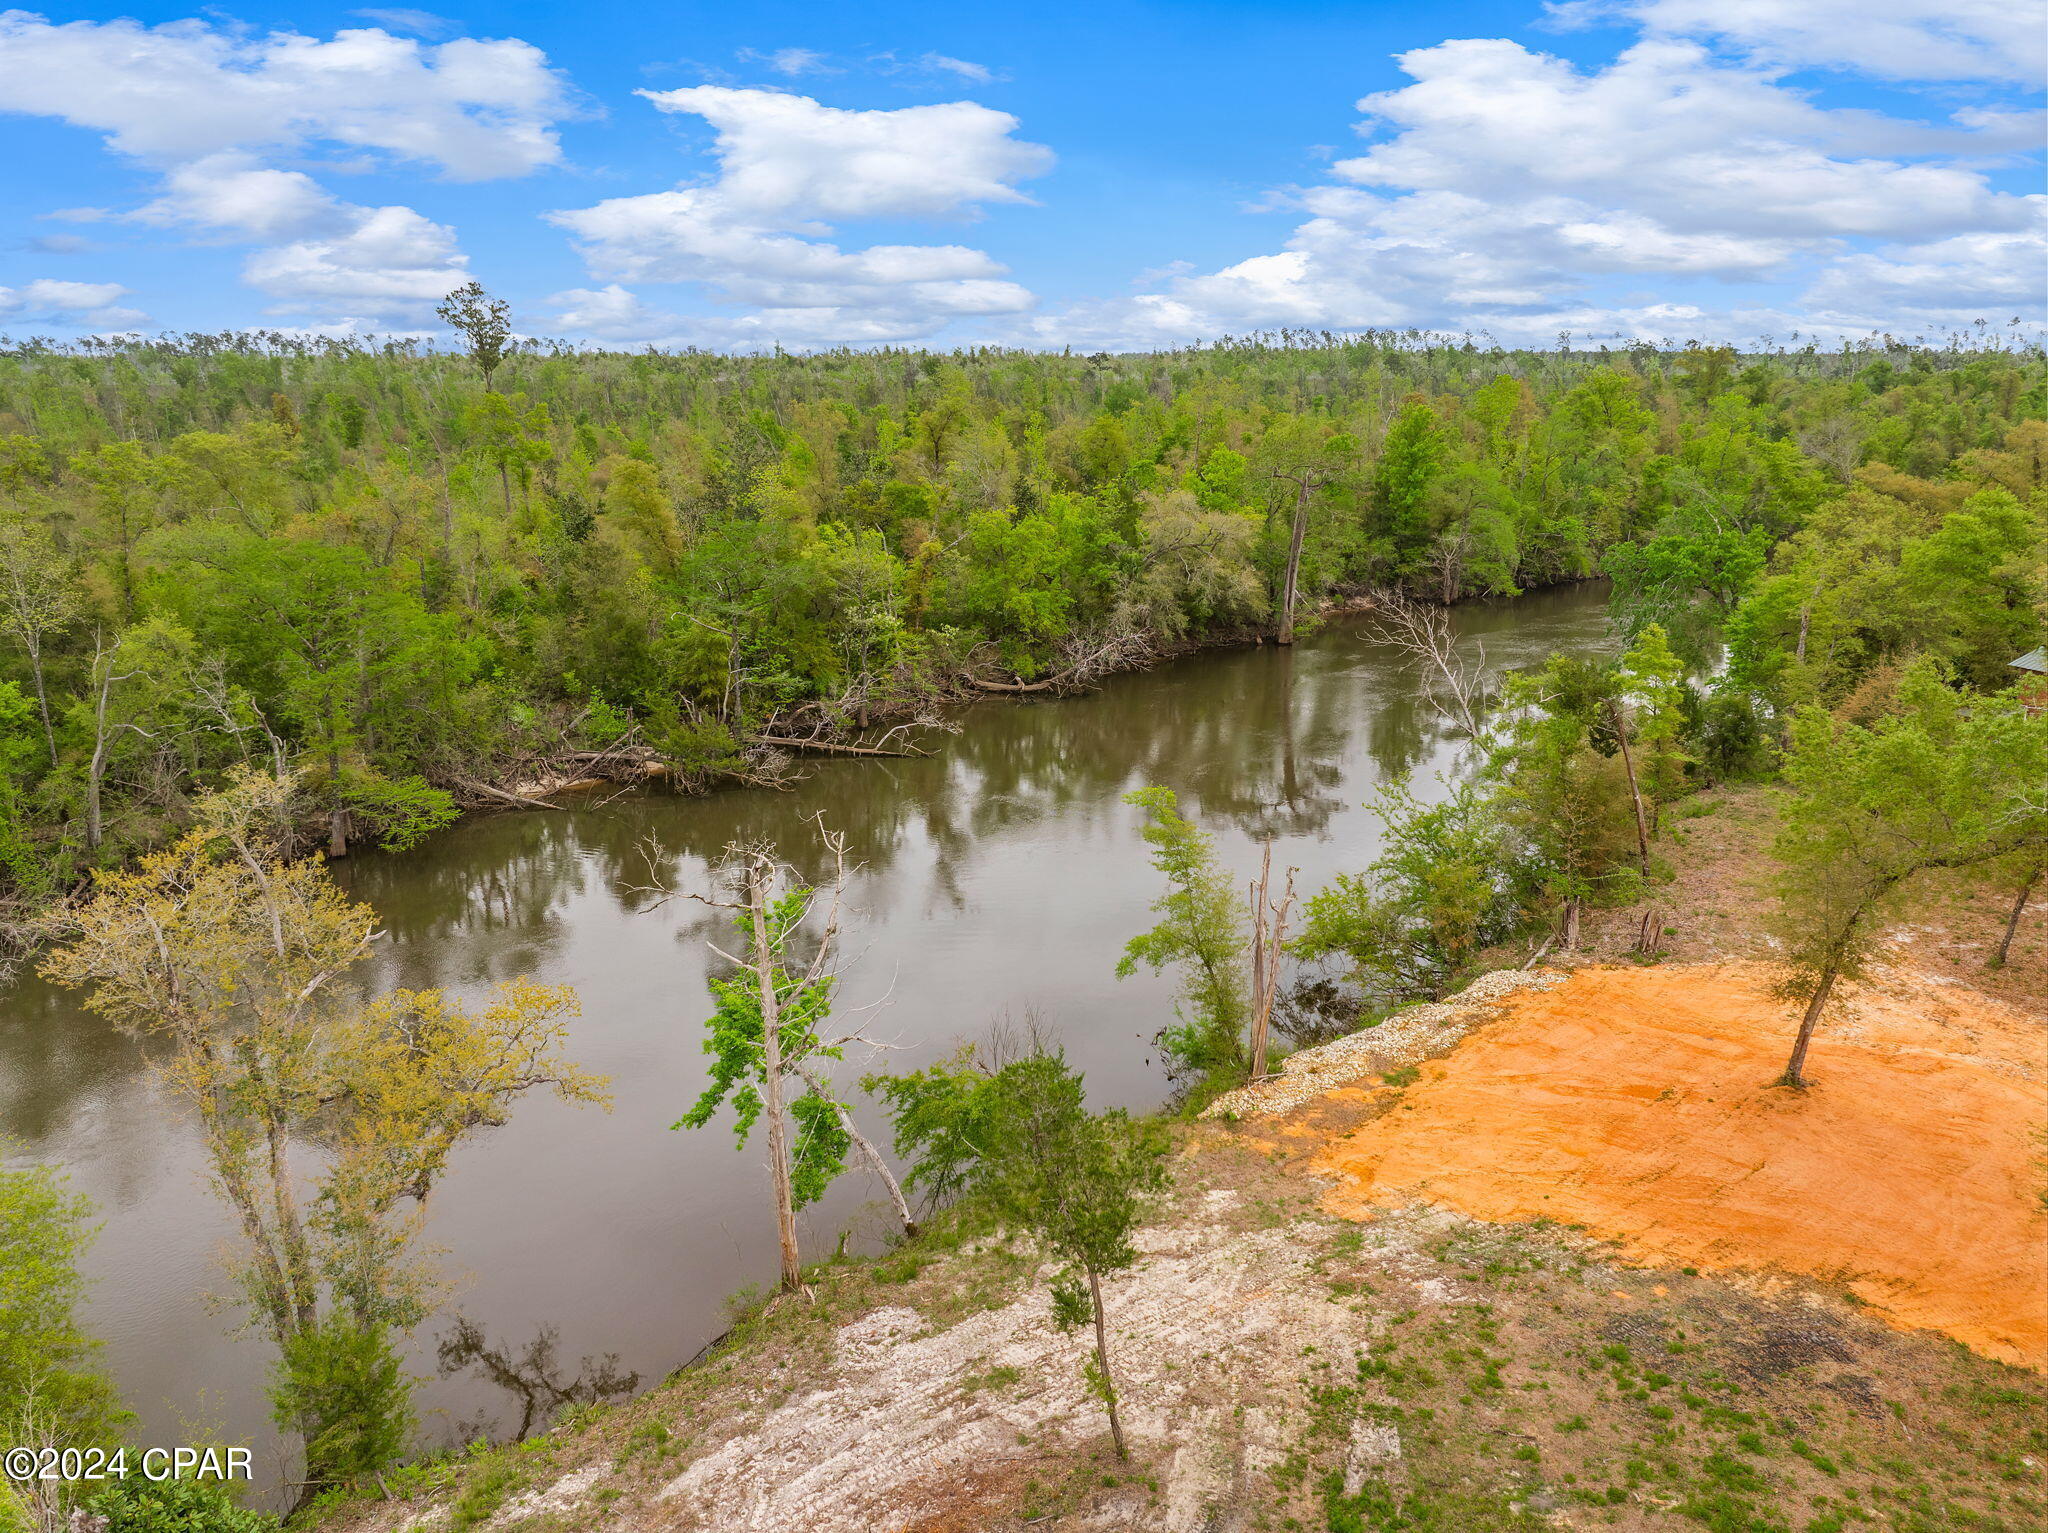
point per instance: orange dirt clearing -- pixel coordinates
(1636, 1103)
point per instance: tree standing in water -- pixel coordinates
(1202, 933)
(765, 1037)
(234, 959)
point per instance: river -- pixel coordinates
(1001, 876)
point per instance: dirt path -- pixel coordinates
(1635, 1103)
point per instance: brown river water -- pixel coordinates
(1000, 876)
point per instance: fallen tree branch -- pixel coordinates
(1015, 686)
(825, 745)
(518, 800)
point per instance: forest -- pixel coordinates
(265, 598)
(423, 577)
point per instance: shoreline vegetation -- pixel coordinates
(1404, 1366)
(270, 599)
(426, 578)
(909, 725)
(1292, 1356)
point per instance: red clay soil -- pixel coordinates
(1636, 1103)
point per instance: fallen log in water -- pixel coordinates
(1016, 686)
(519, 800)
(823, 745)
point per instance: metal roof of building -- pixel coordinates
(2034, 660)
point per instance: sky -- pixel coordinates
(1105, 175)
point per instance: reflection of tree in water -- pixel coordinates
(55, 1055)
(1257, 737)
(532, 1375)
(1260, 738)
(485, 902)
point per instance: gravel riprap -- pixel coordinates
(1406, 1036)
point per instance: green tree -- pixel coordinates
(483, 322)
(765, 1039)
(1942, 781)
(340, 1386)
(353, 664)
(2021, 876)
(1650, 702)
(50, 1386)
(1309, 455)
(1409, 463)
(514, 439)
(234, 961)
(124, 489)
(37, 600)
(941, 1116)
(1202, 935)
(138, 1505)
(1568, 803)
(1416, 919)
(31, 869)
(1080, 1183)
(245, 473)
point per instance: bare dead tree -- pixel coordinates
(105, 730)
(1305, 483)
(1453, 684)
(1083, 658)
(1269, 935)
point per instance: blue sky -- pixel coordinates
(1102, 175)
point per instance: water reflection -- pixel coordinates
(1004, 873)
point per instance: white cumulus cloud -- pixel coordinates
(210, 105)
(475, 109)
(95, 305)
(1994, 275)
(780, 153)
(755, 234)
(1896, 39)
(1502, 184)
(391, 262)
(236, 194)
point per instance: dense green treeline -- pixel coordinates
(376, 567)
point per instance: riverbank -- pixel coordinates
(1003, 874)
(1313, 1336)
(879, 719)
(903, 706)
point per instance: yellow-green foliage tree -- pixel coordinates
(237, 961)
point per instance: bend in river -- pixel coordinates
(1000, 876)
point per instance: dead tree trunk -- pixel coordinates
(1258, 892)
(867, 1149)
(1269, 935)
(1290, 586)
(337, 811)
(759, 872)
(1455, 687)
(35, 664)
